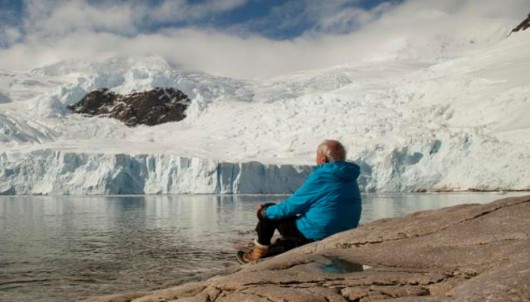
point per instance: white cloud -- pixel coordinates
(180, 10)
(416, 28)
(9, 35)
(78, 16)
(346, 19)
(60, 17)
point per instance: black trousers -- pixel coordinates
(286, 227)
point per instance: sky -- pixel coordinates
(245, 38)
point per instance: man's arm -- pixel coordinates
(298, 203)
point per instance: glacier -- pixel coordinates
(46, 172)
(446, 123)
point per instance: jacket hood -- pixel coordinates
(346, 171)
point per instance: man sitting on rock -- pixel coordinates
(327, 203)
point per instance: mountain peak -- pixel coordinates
(523, 26)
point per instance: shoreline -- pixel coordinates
(451, 254)
(267, 194)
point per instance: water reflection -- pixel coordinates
(67, 248)
(64, 248)
(341, 266)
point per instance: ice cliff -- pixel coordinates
(56, 172)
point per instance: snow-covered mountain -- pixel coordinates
(455, 120)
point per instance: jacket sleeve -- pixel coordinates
(298, 203)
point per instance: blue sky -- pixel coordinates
(274, 19)
(286, 19)
(245, 38)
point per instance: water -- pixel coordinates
(70, 248)
(341, 266)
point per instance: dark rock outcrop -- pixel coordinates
(461, 253)
(523, 26)
(4, 98)
(153, 107)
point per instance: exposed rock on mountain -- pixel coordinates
(153, 107)
(461, 253)
(523, 26)
(4, 98)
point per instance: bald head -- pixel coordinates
(329, 151)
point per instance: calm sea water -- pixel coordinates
(71, 248)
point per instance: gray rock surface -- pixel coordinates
(460, 253)
(4, 98)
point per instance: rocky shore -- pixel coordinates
(460, 253)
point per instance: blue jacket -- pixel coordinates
(327, 203)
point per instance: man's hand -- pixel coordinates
(260, 207)
(261, 210)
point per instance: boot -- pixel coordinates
(258, 252)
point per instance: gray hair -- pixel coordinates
(333, 150)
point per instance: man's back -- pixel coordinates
(327, 203)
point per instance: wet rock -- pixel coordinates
(460, 253)
(153, 107)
